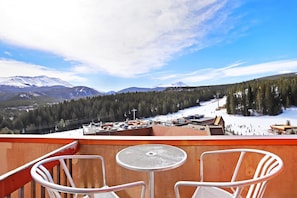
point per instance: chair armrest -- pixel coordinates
(125, 186)
(104, 189)
(201, 184)
(231, 184)
(205, 184)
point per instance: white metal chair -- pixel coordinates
(269, 165)
(43, 176)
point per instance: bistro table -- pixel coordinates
(151, 158)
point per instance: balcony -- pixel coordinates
(19, 152)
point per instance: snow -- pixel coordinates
(38, 81)
(176, 84)
(71, 134)
(239, 125)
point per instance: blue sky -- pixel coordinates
(111, 45)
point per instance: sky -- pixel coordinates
(110, 45)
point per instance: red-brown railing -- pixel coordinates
(19, 179)
(16, 179)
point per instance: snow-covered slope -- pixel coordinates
(40, 89)
(239, 125)
(38, 81)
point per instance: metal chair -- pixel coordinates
(269, 165)
(43, 176)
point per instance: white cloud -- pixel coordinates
(16, 68)
(231, 73)
(7, 53)
(123, 37)
(262, 68)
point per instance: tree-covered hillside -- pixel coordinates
(264, 97)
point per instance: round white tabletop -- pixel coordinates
(151, 158)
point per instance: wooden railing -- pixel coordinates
(16, 179)
(282, 186)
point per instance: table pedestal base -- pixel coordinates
(151, 184)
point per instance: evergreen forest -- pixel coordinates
(262, 97)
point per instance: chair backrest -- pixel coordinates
(43, 176)
(269, 166)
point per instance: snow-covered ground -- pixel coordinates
(239, 125)
(71, 134)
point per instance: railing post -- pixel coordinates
(42, 192)
(21, 192)
(33, 189)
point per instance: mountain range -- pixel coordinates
(29, 91)
(24, 90)
(36, 81)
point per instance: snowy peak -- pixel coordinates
(157, 88)
(176, 84)
(37, 81)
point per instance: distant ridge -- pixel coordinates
(176, 84)
(277, 76)
(140, 89)
(157, 88)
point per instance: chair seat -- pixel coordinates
(211, 192)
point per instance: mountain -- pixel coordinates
(28, 91)
(176, 84)
(38, 81)
(140, 89)
(157, 88)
